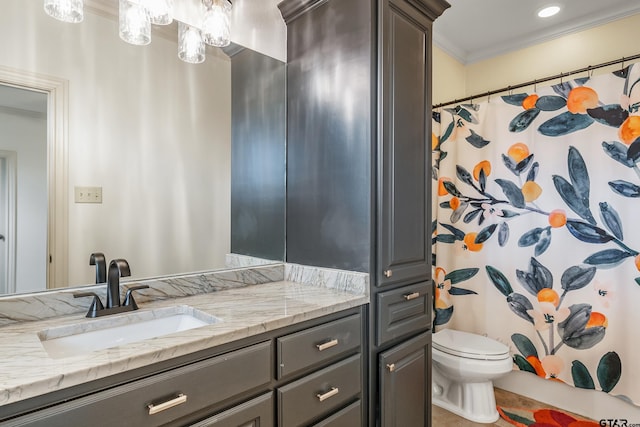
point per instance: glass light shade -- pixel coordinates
(135, 25)
(190, 44)
(65, 10)
(160, 11)
(215, 26)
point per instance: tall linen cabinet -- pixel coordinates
(358, 176)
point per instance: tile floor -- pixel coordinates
(443, 418)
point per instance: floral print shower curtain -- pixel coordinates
(536, 228)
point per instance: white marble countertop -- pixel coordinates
(26, 370)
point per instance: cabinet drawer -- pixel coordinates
(403, 311)
(315, 345)
(181, 391)
(320, 393)
(351, 416)
(257, 412)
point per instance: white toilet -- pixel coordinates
(464, 367)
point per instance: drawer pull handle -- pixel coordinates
(411, 296)
(330, 393)
(179, 400)
(387, 273)
(327, 345)
(391, 367)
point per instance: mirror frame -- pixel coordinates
(57, 91)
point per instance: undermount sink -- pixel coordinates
(112, 331)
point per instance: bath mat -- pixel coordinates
(542, 418)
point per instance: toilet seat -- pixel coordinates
(470, 346)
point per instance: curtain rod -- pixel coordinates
(536, 81)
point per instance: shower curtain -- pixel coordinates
(535, 228)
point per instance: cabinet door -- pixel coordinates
(405, 383)
(257, 412)
(404, 144)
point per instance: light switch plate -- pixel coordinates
(88, 194)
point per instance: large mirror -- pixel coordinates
(152, 133)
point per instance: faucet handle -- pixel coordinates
(96, 304)
(128, 299)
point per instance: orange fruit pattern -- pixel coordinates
(581, 98)
(484, 165)
(549, 295)
(441, 190)
(630, 129)
(530, 101)
(531, 191)
(470, 242)
(518, 151)
(597, 319)
(557, 218)
(454, 203)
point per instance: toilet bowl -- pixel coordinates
(464, 367)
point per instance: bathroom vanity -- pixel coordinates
(279, 353)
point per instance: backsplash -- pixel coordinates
(340, 280)
(42, 305)
(251, 271)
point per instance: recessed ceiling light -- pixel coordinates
(548, 11)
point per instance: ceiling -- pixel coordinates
(473, 30)
(22, 100)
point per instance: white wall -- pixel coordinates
(27, 135)
(152, 131)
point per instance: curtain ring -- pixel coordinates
(561, 76)
(621, 69)
(590, 71)
(535, 86)
(510, 90)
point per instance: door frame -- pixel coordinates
(57, 91)
(11, 157)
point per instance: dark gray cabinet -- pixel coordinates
(404, 133)
(257, 412)
(165, 397)
(403, 311)
(358, 166)
(405, 383)
(320, 380)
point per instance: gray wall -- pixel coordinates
(258, 155)
(329, 151)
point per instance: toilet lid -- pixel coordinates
(472, 346)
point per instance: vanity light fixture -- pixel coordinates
(134, 23)
(548, 11)
(216, 26)
(190, 44)
(65, 10)
(136, 16)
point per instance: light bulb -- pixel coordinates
(215, 26)
(160, 11)
(135, 25)
(65, 10)
(190, 44)
(548, 11)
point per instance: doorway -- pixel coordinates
(52, 258)
(23, 190)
